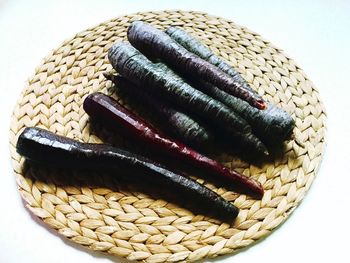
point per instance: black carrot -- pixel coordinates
(108, 110)
(176, 122)
(158, 44)
(157, 78)
(44, 147)
(131, 64)
(195, 46)
(272, 125)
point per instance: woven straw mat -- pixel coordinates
(130, 223)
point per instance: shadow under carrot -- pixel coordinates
(128, 183)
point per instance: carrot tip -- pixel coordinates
(261, 105)
(260, 195)
(259, 192)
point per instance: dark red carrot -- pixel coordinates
(47, 148)
(104, 108)
(158, 44)
(178, 123)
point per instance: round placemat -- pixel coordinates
(130, 223)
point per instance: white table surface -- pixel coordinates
(315, 33)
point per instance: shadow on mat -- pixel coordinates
(217, 143)
(107, 136)
(129, 183)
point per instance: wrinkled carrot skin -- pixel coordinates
(272, 125)
(273, 122)
(161, 80)
(105, 108)
(47, 148)
(195, 46)
(158, 44)
(177, 122)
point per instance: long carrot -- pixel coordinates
(272, 125)
(178, 123)
(131, 64)
(156, 43)
(184, 127)
(47, 148)
(195, 46)
(108, 110)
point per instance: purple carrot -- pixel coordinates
(108, 110)
(47, 148)
(157, 44)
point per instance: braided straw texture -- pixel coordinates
(130, 223)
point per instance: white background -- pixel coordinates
(315, 33)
